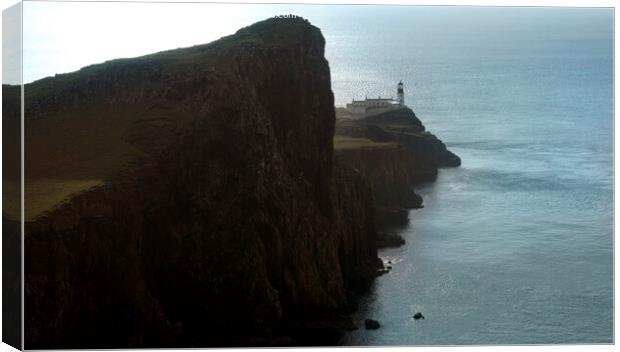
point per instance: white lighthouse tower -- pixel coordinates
(400, 94)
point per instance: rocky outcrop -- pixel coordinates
(371, 324)
(391, 172)
(355, 211)
(428, 146)
(405, 128)
(389, 239)
(405, 154)
(231, 229)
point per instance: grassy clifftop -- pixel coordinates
(87, 127)
(345, 142)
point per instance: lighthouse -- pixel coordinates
(400, 94)
(373, 106)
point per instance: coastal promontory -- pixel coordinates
(193, 197)
(190, 198)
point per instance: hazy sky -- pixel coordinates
(11, 48)
(61, 37)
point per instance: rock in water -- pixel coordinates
(372, 324)
(418, 316)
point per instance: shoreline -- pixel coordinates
(394, 162)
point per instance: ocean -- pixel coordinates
(513, 247)
(516, 245)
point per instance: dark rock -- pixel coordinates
(405, 155)
(237, 221)
(405, 118)
(412, 200)
(418, 316)
(390, 217)
(382, 271)
(352, 304)
(371, 324)
(409, 131)
(378, 134)
(429, 148)
(392, 172)
(385, 240)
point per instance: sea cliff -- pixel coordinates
(394, 152)
(192, 198)
(222, 220)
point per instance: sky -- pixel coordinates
(63, 36)
(11, 45)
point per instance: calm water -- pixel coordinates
(515, 246)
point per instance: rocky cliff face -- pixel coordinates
(404, 127)
(229, 229)
(392, 172)
(400, 155)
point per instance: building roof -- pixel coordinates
(374, 99)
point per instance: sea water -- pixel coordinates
(516, 245)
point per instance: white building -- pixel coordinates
(375, 106)
(400, 94)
